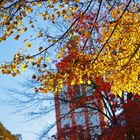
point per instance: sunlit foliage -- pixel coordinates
(101, 39)
(5, 134)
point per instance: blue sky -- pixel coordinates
(13, 122)
(16, 123)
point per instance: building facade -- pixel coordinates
(77, 113)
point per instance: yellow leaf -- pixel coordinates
(16, 37)
(14, 74)
(77, 0)
(19, 22)
(62, 50)
(8, 72)
(64, 11)
(66, 1)
(31, 59)
(4, 17)
(28, 44)
(119, 93)
(87, 34)
(40, 4)
(23, 13)
(59, 56)
(34, 77)
(89, 82)
(17, 71)
(25, 29)
(40, 49)
(13, 68)
(49, 40)
(61, 85)
(48, 59)
(58, 13)
(54, 41)
(72, 82)
(39, 34)
(28, 9)
(24, 67)
(54, 1)
(81, 81)
(75, 38)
